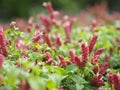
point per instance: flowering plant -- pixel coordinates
(60, 54)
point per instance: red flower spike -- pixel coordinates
(3, 43)
(48, 6)
(48, 55)
(37, 36)
(50, 61)
(47, 40)
(85, 53)
(78, 62)
(96, 69)
(67, 29)
(97, 81)
(107, 57)
(96, 56)
(114, 80)
(103, 67)
(2, 58)
(58, 41)
(62, 61)
(72, 55)
(99, 51)
(92, 43)
(46, 21)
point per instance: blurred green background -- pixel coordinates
(25, 8)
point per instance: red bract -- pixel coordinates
(2, 58)
(3, 48)
(114, 80)
(97, 81)
(92, 43)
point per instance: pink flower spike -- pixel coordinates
(67, 29)
(85, 53)
(46, 21)
(2, 58)
(48, 6)
(92, 43)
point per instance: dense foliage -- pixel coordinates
(61, 52)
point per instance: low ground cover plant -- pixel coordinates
(61, 52)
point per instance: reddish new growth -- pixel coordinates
(92, 43)
(3, 48)
(2, 58)
(114, 80)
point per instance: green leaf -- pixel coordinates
(72, 68)
(37, 83)
(79, 80)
